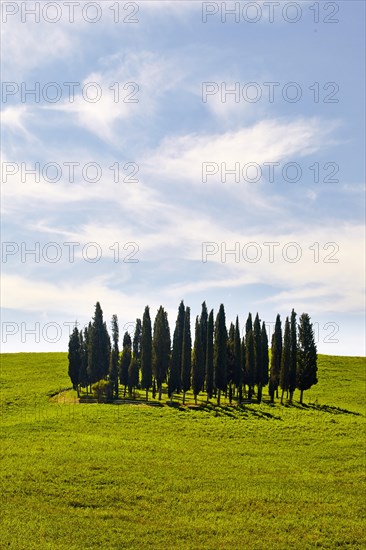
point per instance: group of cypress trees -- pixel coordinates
(220, 361)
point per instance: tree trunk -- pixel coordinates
(283, 391)
(160, 390)
(154, 389)
(259, 393)
(218, 397)
(291, 396)
(195, 399)
(301, 394)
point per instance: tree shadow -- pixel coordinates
(322, 408)
(236, 411)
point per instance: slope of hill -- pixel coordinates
(135, 476)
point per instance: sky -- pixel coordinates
(154, 151)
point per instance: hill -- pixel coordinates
(139, 476)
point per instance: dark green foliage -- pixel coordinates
(83, 374)
(285, 359)
(209, 356)
(244, 363)
(257, 341)
(220, 352)
(203, 325)
(103, 391)
(250, 362)
(74, 357)
(293, 357)
(161, 348)
(265, 356)
(98, 347)
(136, 346)
(114, 356)
(197, 362)
(220, 362)
(180, 321)
(186, 354)
(276, 353)
(133, 374)
(125, 360)
(248, 325)
(175, 362)
(237, 377)
(135, 365)
(230, 354)
(306, 356)
(146, 352)
(113, 370)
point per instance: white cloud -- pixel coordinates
(130, 88)
(266, 141)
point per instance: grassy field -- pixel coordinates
(135, 476)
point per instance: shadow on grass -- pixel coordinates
(237, 411)
(246, 410)
(322, 408)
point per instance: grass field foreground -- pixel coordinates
(136, 476)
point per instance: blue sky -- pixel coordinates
(168, 135)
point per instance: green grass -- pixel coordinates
(83, 476)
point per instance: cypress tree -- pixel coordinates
(244, 364)
(258, 357)
(114, 355)
(186, 354)
(237, 372)
(125, 361)
(135, 364)
(161, 348)
(276, 353)
(174, 381)
(203, 325)
(293, 355)
(175, 363)
(265, 356)
(285, 359)
(306, 356)
(248, 325)
(98, 350)
(220, 353)
(83, 374)
(136, 345)
(250, 362)
(180, 321)
(197, 362)
(209, 356)
(106, 350)
(230, 358)
(74, 357)
(146, 352)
